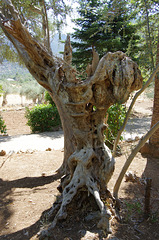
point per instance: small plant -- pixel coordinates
(48, 99)
(42, 118)
(1, 90)
(3, 128)
(154, 217)
(116, 115)
(133, 209)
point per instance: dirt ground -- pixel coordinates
(28, 187)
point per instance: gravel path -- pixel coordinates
(135, 128)
(41, 141)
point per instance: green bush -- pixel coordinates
(48, 99)
(1, 90)
(3, 128)
(42, 118)
(116, 115)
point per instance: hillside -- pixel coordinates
(10, 69)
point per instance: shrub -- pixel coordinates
(42, 118)
(48, 99)
(3, 128)
(1, 90)
(116, 115)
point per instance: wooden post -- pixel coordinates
(147, 197)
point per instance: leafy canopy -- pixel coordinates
(107, 25)
(42, 18)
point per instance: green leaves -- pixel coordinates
(116, 115)
(1, 90)
(41, 18)
(105, 25)
(42, 118)
(3, 128)
(48, 99)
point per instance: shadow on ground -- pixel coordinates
(132, 226)
(6, 200)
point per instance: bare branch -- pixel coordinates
(35, 9)
(68, 51)
(91, 68)
(131, 106)
(95, 60)
(13, 11)
(45, 25)
(131, 157)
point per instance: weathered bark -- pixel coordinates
(82, 105)
(131, 157)
(152, 147)
(154, 140)
(45, 25)
(149, 38)
(156, 70)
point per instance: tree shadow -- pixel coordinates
(24, 234)
(51, 135)
(76, 228)
(134, 225)
(138, 125)
(6, 192)
(38, 141)
(152, 171)
(5, 138)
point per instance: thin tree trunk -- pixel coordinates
(154, 140)
(45, 27)
(131, 157)
(149, 34)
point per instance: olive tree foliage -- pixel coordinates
(82, 102)
(41, 18)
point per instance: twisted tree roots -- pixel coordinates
(82, 176)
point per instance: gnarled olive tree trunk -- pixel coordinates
(82, 105)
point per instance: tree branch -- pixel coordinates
(13, 11)
(68, 51)
(36, 58)
(131, 157)
(45, 27)
(35, 9)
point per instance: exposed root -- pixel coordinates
(54, 208)
(105, 213)
(82, 177)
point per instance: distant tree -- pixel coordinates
(107, 26)
(147, 18)
(41, 24)
(6, 90)
(32, 91)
